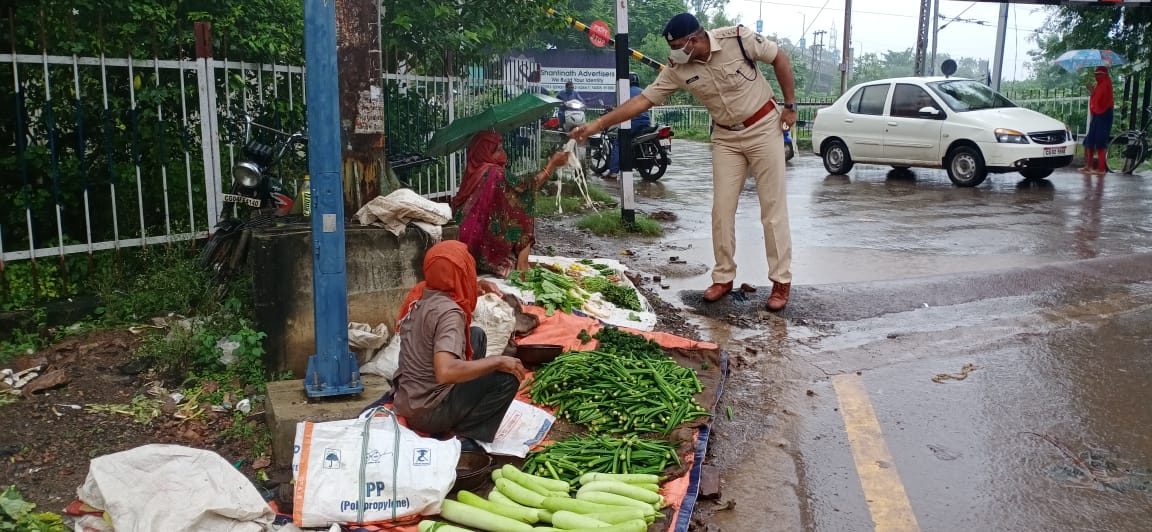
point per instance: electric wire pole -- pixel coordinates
(922, 38)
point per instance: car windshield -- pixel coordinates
(968, 95)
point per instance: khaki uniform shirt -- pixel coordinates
(435, 324)
(731, 89)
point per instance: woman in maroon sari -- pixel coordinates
(493, 209)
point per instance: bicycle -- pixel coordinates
(1130, 149)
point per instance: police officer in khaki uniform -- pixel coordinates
(719, 68)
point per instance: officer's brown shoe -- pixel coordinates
(717, 291)
(779, 298)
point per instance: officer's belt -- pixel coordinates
(767, 108)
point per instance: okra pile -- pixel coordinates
(574, 457)
(618, 393)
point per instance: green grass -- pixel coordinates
(700, 135)
(571, 200)
(610, 223)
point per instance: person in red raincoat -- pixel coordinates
(1100, 125)
(494, 210)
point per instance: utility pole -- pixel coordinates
(935, 36)
(623, 92)
(333, 369)
(846, 63)
(998, 58)
(921, 39)
(817, 59)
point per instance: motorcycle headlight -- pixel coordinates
(1010, 136)
(247, 174)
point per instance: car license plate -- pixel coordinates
(667, 143)
(1055, 151)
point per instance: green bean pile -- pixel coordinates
(618, 394)
(567, 460)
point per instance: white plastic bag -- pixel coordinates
(396, 210)
(393, 476)
(524, 426)
(364, 336)
(386, 361)
(174, 488)
(498, 321)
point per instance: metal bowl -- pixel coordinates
(536, 354)
(473, 470)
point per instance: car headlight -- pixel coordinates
(1010, 136)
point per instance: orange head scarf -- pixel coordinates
(482, 154)
(449, 268)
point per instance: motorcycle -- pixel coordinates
(650, 149)
(789, 148)
(262, 192)
(252, 183)
(573, 112)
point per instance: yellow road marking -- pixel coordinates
(887, 501)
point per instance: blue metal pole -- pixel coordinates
(333, 369)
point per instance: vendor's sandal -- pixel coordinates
(1085, 170)
(612, 176)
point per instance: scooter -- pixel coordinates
(650, 149)
(573, 112)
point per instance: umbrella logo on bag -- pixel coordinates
(422, 457)
(332, 459)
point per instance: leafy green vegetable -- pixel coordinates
(623, 297)
(613, 340)
(553, 291)
(16, 515)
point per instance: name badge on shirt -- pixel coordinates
(692, 80)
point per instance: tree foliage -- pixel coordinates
(441, 37)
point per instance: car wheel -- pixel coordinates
(836, 158)
(1036, 173)
(966, 167)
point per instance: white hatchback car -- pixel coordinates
(957, 124)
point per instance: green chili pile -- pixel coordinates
(567, 460)
(617, 393)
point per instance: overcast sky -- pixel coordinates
(881, 25)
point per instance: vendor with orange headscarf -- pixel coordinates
(444, 383)
(494, 209)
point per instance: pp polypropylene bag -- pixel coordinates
(369, 470)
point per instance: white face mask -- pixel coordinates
(680, 56)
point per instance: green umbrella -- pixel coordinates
(502, 117)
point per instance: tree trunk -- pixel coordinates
(366, 171)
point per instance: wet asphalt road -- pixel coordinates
(1042, 289)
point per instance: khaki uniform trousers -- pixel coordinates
(757, 151)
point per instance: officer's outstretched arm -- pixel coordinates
(629, 110)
